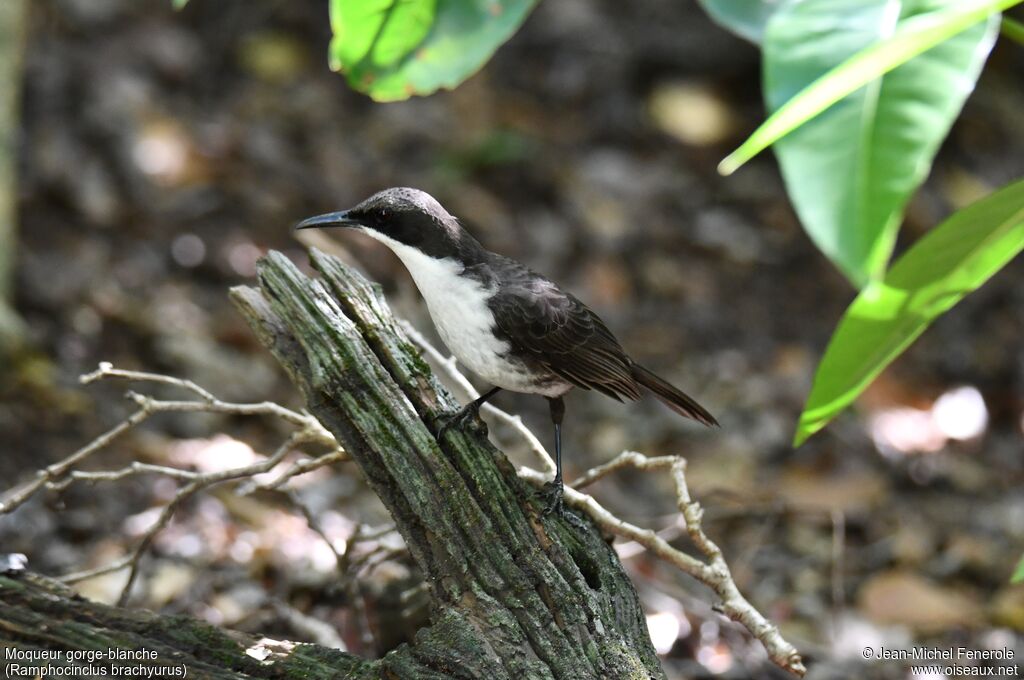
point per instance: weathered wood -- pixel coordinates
(515, 594)
(40, 614)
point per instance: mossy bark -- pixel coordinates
(40, 614)
(516, 595)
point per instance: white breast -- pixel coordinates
(458, 307)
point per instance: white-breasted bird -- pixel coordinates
(507, 324)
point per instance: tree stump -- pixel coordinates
(515, 594)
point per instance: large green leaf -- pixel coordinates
(393, 49)
(851, 170)
(912, 38)
(745, 18)
(941, 268)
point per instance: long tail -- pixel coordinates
(672, 397)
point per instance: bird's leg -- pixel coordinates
(557, 406)
(472, 409)
(553, 490)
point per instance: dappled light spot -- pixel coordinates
(852, 634)
(693, 113)
(664, 630)
(960, 413)
(161, 152)
(713, 653)
(905, 430)
(930, 676)
(215, 454)
(628, 549)
(188, 250)
(266, 648)
(715, 657)
(244, 547)
(139, 523)
(242, 258)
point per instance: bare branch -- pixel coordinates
(17, 497)
(298, 468)
(209, 403)
(53, 476)
(624, 459)
(60, 475)
(450, 368)
(319, 632)
(135, 468)
(313, 522)
(198, 483)
(714, 573)
(107, 370)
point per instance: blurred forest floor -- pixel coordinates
(161, 153)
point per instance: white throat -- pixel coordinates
(439, 280)
(457, 304)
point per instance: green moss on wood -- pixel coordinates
(516, 595)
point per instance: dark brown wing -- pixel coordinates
(560, 333)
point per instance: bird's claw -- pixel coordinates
(460, 417)
(552, 495)
(554, 504)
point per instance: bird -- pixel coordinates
(510, 326)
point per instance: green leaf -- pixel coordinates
(1018, 573)
(179, 4)
(912, 38)
(946, 264)
(851, 170)
(1014, 30)
(745, 18)
(393, 49)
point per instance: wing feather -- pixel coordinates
(560, 333)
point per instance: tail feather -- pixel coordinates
(672, 397)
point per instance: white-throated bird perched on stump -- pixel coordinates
(506, 323)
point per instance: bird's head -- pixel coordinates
(398, 215)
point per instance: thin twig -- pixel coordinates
(313, 522)
(713, 570)
(131, 470)
(198, 483)
(208, 402)
(62, 474)
(713, 573)
(107, 370)
(450, 368)
(624, 459)
(315, 630)
(300, 467)
(349, 567)
(52, 476)
(17, 497)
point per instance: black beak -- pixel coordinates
(334, 219)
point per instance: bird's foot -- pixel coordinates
(464, 415)
(554, 504)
